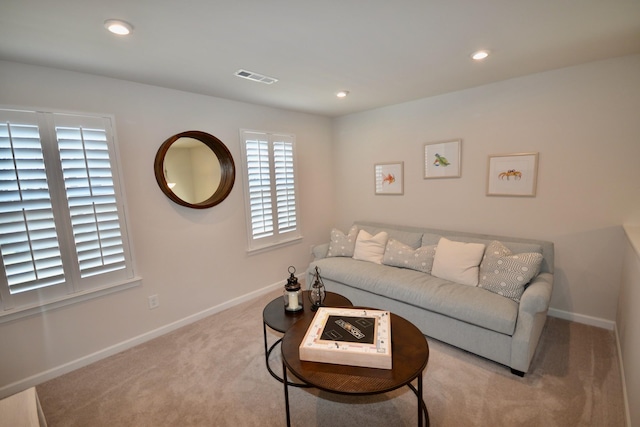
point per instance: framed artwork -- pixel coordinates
(389, 178)
(512, 175)
(442, 159)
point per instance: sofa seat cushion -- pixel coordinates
(468, 304)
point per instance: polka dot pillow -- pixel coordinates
(397, 254)
(507, 274)
(342, 244)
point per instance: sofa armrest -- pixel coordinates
(537, 295)
(320, 251)
(532, 315)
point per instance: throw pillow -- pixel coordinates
(370, 248)
(397, 254)
(507, 274)
(458, 261)
(341, 244)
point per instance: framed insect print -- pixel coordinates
(512, 175)
(442, 159)
(389, 178)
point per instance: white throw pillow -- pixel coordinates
(370, 248)
(458, 261)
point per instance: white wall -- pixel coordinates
(585, 123)
(193, 259)
(627, 323)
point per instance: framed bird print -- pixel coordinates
(442, 159)
(389, 178)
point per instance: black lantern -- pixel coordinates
(292, 293)
(317, 293)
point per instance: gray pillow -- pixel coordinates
(397, 254)
(341, 244)
(506, 274)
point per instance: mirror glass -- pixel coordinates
(191, 170)
(195, 169)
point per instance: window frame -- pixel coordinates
(74, 288)
(288, 236)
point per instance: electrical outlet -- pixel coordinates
(154, 301)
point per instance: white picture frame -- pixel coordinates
(512, 175)
(389, 178)
(442, 159)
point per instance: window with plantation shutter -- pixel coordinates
(270, 190)
(62, 229)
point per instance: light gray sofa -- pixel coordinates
(468, 317)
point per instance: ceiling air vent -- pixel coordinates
(255, 77)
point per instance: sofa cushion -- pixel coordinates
(468, 304)
(430, 239)
(370, 248)
(507, 274)
(458, 261)
(410, 238)
(341, 244)
(397, 254)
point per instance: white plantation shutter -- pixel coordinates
(28, 237)
(88, 180)
(62, 229)
(272, 214)
(259, 182)
(285, 186)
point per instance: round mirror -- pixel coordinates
(194, 169)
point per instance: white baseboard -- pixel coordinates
(47, 375)
(581, 318)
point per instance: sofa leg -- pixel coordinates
(516, 372)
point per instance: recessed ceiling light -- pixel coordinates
(116, 26)
(342, 93)
(480, 55)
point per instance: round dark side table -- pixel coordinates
(275, 317)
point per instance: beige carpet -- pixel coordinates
(212, 373)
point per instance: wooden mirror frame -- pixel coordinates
(227, 169)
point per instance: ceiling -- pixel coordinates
(383, 52)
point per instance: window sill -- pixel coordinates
(20, 312)
(270, 246)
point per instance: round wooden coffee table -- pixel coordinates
(275, 317)
(410, 353)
